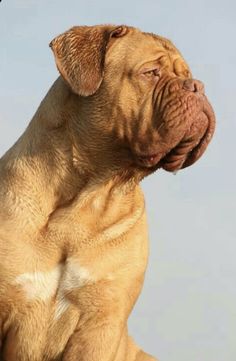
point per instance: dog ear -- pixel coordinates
(80, 55)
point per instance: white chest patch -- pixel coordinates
(44, 285)
(40, 285)
(74, 277)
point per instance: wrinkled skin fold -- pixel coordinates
(186, 125)
(179, 131)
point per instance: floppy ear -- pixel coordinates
(80, 55)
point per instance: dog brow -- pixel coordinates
(166, 43)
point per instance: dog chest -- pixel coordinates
(41, 300)
(54, 283)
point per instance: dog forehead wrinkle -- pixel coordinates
(150, 48)
(166, 43)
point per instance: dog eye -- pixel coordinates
(152, 73)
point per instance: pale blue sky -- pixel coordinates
(187, 310)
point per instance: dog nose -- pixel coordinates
(193, 85)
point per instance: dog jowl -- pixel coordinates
(73, 232)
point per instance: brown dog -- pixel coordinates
(73, 235)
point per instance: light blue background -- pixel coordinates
(187, 311)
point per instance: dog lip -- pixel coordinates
(148, 160)
(147, 156)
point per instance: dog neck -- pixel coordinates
(53, 162)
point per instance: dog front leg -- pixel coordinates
(97, 340)
(99, 330)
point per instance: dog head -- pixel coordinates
(141, 87)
